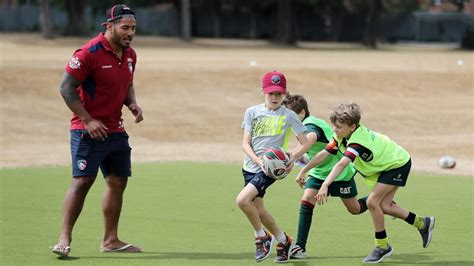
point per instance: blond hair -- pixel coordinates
(346, 113)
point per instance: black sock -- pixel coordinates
(411, 218)
(362, 204)
(381, 234)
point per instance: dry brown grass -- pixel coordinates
(194, 96)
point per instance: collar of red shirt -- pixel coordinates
(106, 43)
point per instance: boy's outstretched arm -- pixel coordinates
(317, 159)
(304, 145)
(321, 197)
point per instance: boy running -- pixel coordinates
(319, 133)
(385, 166)
(266, 125)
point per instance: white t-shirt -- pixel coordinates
(269, 128)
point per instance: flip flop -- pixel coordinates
(128, 248)
(61, 250)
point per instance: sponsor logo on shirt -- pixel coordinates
(130, 64)
(398, 178)
(74, 63)
(269, 126)
(107, 66)
(345, 190)
(366, 156)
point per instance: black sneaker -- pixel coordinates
(283, 250)
(378, 254)
(264, 246)
(427, 230)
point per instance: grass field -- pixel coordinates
(185, 213)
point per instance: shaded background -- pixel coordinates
(282, 21)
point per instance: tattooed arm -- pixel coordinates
(95, 128)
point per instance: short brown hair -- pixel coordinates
(296, 103)
(346, 113)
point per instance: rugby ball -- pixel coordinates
(275, 161)
(447, 162)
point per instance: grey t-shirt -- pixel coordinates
(269, 128)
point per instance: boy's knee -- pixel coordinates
(373, 203)
(241, 202)
(386, 207)
(354, 211)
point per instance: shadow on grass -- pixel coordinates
(202, 256)
(176, 255)
(421, 258)
(398, 259)
(68, 258)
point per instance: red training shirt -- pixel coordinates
(105, 80)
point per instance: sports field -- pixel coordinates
(194, 96)
(180, 204)
(185, 213)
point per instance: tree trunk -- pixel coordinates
(216, 21)
(253, 25)
(337, 20)
(75, 10)
(286, 34)
(45, 20)
(370, 32)
(186, 20)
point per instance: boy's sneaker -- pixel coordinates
(378, 254)
(264, 246)
(297, 252)
(283, 250)
(427, 230)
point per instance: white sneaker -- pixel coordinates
(298, 252)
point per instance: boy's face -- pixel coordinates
(342, 130)
(273, 100)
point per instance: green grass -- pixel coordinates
(185, 213)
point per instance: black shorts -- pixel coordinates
(259, 180)
(112, 155)
(397, 177)
(341, 189)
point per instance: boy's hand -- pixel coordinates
(290, 163)
(300, 179)
(262, 166)
(322, 196)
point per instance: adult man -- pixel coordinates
(97, 82)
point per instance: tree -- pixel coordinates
(371, 21)
(186, 20)
(75, 10)
(286, 33)
(45, 19)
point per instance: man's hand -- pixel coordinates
(96, 129)
(136, 111)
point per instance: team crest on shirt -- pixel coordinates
(130, 64)
(74, 63)
(81, 164)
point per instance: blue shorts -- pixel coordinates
(259, 180)
(112, 155)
